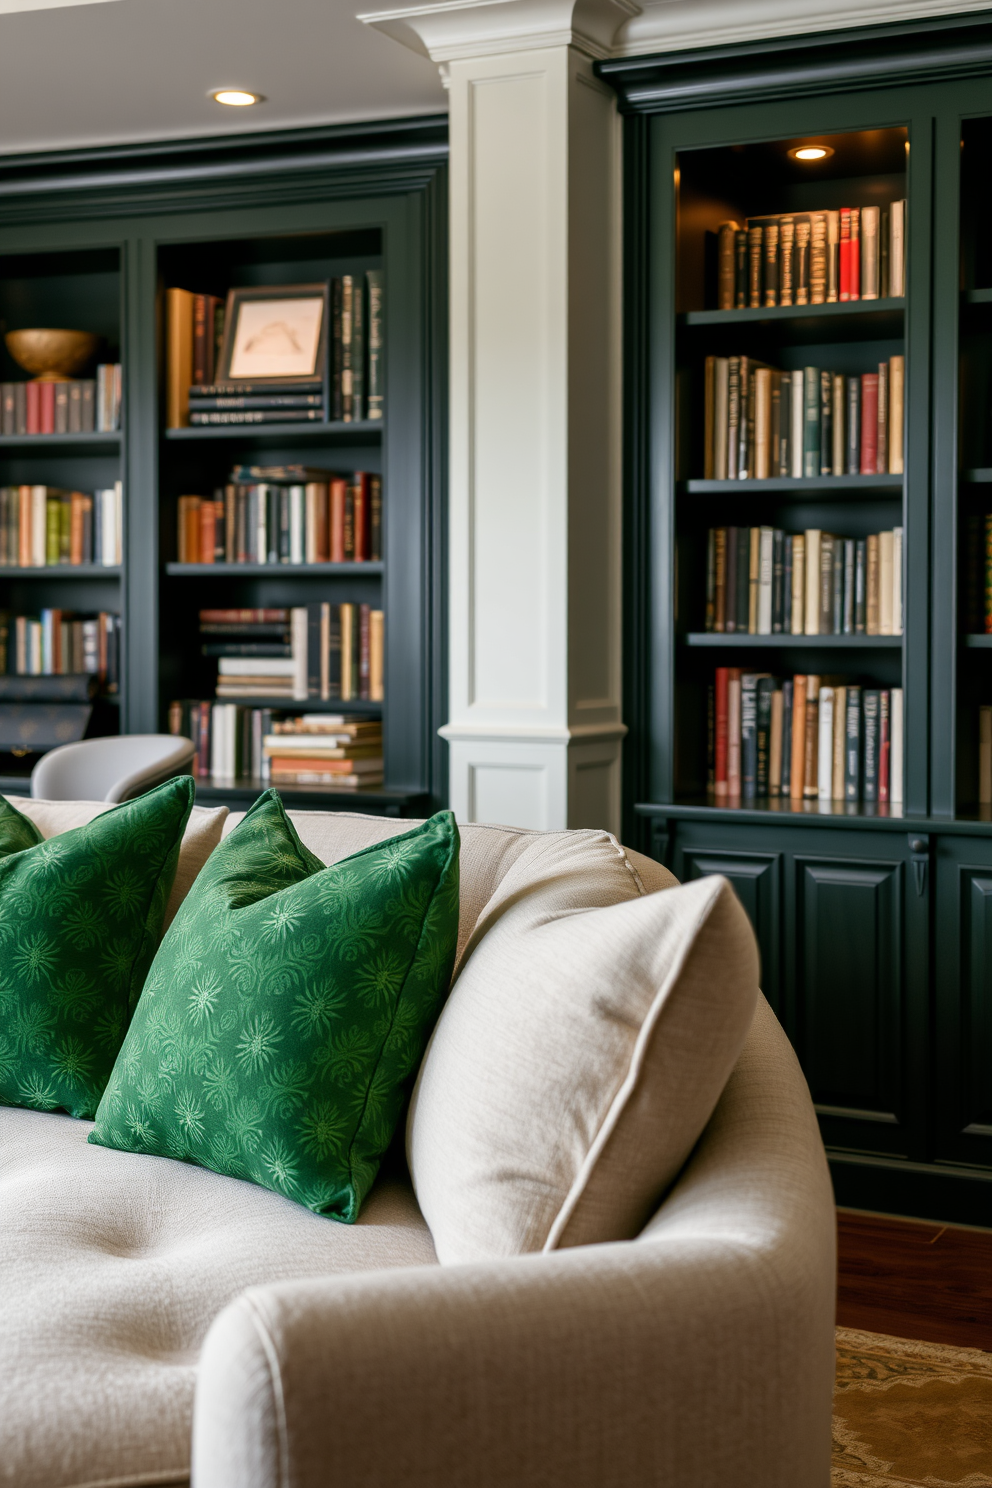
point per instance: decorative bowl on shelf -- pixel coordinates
(52, 356)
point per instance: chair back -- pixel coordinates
(111, 769)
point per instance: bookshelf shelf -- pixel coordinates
(713, 640)
(978, 642)
(800, 325)
(62, 571)
(274, 570)
(64, 443)
(365, 432)
(818, 485)
(981, 476)
(311, 705)
(976, 297)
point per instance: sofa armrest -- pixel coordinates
(700, 1354)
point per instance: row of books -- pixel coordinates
(81, 406)
(812, 258)
(765, 581)
(235, 743)
(41, 526)
(59, 643)
(760, 422)
(334, 519)
(350, 388)
(320, 650)
(804, 737)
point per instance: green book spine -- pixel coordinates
(52, 527)
(811, 423)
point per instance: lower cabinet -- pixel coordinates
(876, 951)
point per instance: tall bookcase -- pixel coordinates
(93, 241)
(874, 919)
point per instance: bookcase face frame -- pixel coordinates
(674, 680)
(392, 202)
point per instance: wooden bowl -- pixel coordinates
(52, 356)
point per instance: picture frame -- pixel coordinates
(276, 334)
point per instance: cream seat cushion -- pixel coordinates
(202, 834)
(112, 1268)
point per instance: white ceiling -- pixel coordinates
(90, 72)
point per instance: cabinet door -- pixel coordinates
(963, 1001)
(842, 919)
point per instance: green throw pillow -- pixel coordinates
(80, 917)
(288, 1008)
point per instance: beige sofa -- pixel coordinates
(140, 1295)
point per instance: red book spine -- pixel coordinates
(720, 731)
(34, 407)
(884, 745)
(854, 254)
(47, 407)
(869, 423)
(845, 253)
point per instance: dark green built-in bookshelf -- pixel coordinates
(92, 240)
(874, 921)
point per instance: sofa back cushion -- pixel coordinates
(202, 834)
(580, 1054)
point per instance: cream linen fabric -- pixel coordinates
(202, 834)
(698, 1356)
(113, 1266)
(580, 1054)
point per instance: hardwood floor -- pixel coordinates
(914, 1279)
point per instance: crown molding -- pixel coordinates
(453, 30)
(931, 49)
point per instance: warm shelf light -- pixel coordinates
(236, 97)
(811, 152)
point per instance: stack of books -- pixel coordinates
(760, 422)
(284, 514)
(58, 643)
(41, 526)
(69, 407)
(765, 581)
(220, 403)
(321, 651)
(804, 737)
(321, 749)
(812, 258)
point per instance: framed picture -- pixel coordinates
(275, 334)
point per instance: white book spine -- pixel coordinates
(297, 497)
(299, 642)
(885, 568)
(765, 545)
(118, 522)
(798, 584)
(812, 626)
(897, 581)
(869, 252)
(251, 666)
(39, 497)
(310, 544)
(797, 412)
(840, 740)
(895, 747)
(261, 510)
(825, 746)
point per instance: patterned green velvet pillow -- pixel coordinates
(80, 917)
(288, 1008)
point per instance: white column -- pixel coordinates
(535, 724)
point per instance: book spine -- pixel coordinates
(896, 747)
(740, 269)
(885, 583)
(811, 422)
(825, 745)
(797, 727)
(726, 234)
(869, 423)
(778, 582)
(883, 745)
(852, 745)
(376, 345)
(771, 235)
(853, 425)
(798, 625)
(897, 378)
(375, 518)
(749, 734)
(869, 782)
(358, 398)
(733, 414)
(897, 249)
(833, 257)
(839, 452)
(709, 412)
(720, 417)
(897, 565)
(787, 561)
(709, 619)
(847, 621)
(743, 579)
(745, 433)
(200, 340)
(179, 356)
(337, 394)
(860, 587)
(766, 554)
(812, 606)
(347, 347)
(785, 784)
(869, 253)
(754, 579)
(762, 423)
(781, 463)
(730, 582)
(818, 259)
(837, 610)
(297, 524)
(797, 408)
(882, 435)
(733, 732)
(811, 752)
(826, 586)
(840, 725)
(884, 281)
(826, 423)
(871, 587)
(775, 743)
(801, 261)
(754, 237)
(720, 680)
(787, 240)
(763, 727)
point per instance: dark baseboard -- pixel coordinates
(913, 1190)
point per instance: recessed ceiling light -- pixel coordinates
(236, 97)
(811, 152)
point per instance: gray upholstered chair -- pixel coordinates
(111, 769)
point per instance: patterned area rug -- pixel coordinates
(911, 1415)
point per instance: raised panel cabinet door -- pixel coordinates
(963, 1003)
(756, 878)
(849, 967)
